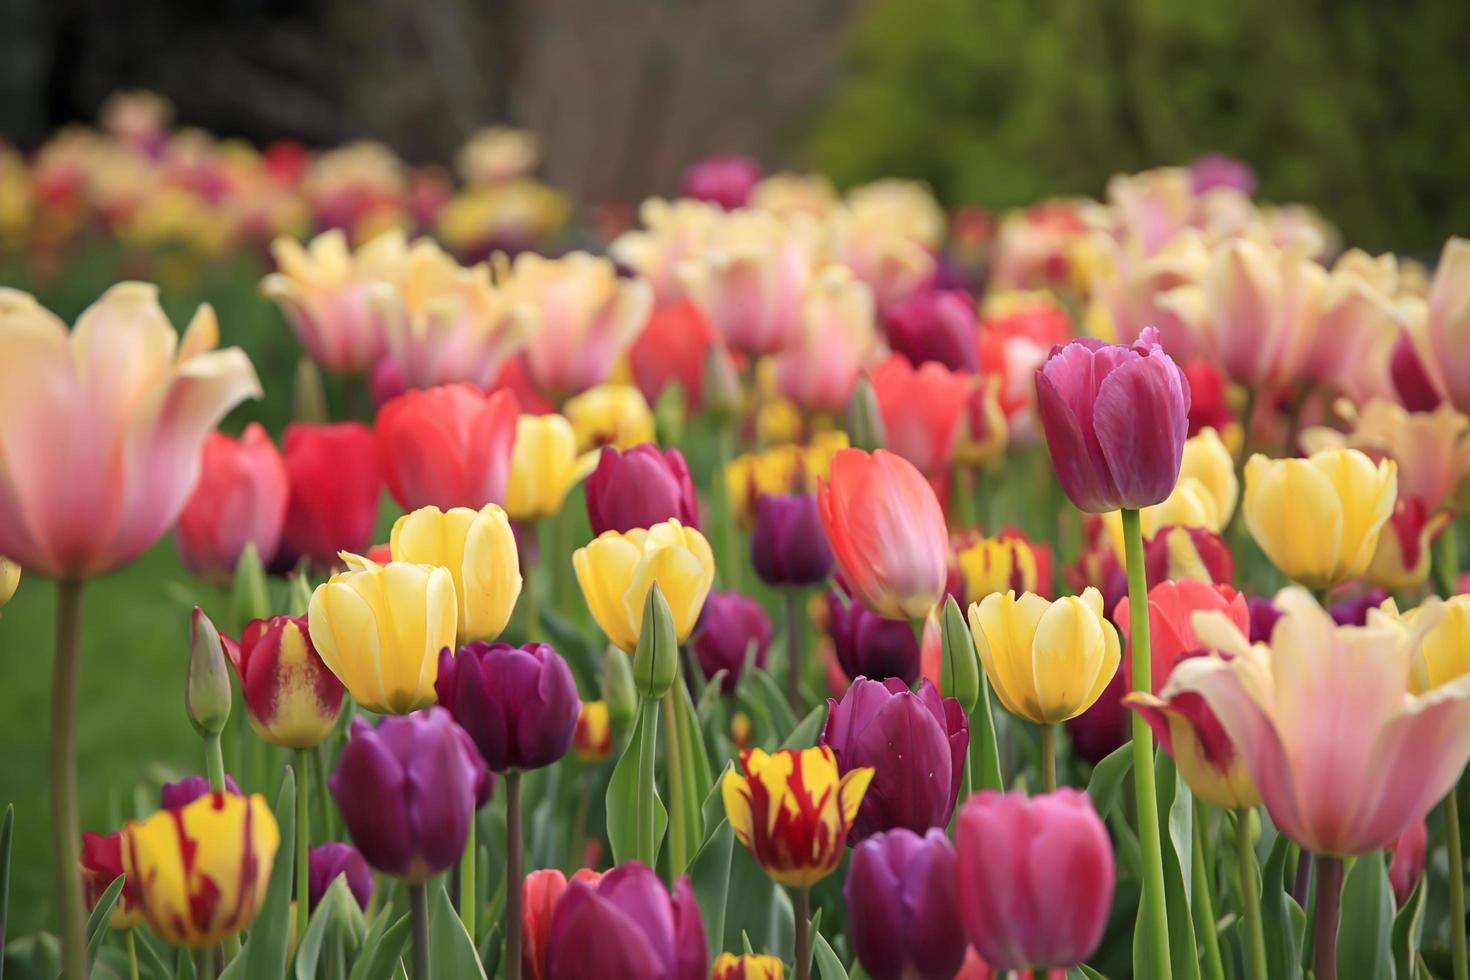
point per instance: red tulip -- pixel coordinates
(291, 698)
(240, 499)
(921, 410)
(333, 472)
(448, 446)
(672, 348)
(1171, 609)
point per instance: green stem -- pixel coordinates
(647, 745)
(803, 937)
(513, 849)
(1204, 903)
(1250, 895)
(418, 900)
(1049, 757)
(214, 762)
(531, 609)
(303, 844)
(204, 963)
(678, 844)
(66, 832)
(132, 941)
(794, 658)
(1143, 749)
(468, 893)
(1457, 886)
(1329, 893)
(732, 562)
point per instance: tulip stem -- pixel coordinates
(1143, 750)
(793, 649)
(1250, 895)
(132, 954)
(731, 557)
(531, 609)
(1204, 903)
(1329, 893)
(803, 937)
(647, 851)
(468, 894)
(214, 762)
(1457, 886)
(1049, 757)
(418, 901)
(512, 875)
(204, 963)
(303, 844)
(65, 819)
(678, 845)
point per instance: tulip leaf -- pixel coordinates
(829, 967)
(804, 735)
(97, 922)
(1085, 972)
(1183, 952)
(622, 798)
(250, 596)
(1107, 778)
(984, 749)
(782, 718)
(381, 953)
(709, 876)
(7, 834)
(490, 949)
(151, 955)
(451, 950)
(694, 774)
(709, 698)
(1365, 937)
(714, 801)
(309, 949)
(264, 954)
(1283, 919)
(1408, 929)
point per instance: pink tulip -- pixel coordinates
(1449, 323)
(101, 430)
(240, 500)
(838, 339)
(921, 409)
(1407, 866)
(448, 446)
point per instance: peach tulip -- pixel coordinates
(1448, 324)
(1432, 449)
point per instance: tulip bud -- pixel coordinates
(328, 862)
(519, 705)
(959, 671)
(618, 689)
(788, 546)
(101, 866)
(656, 658)
(867, 645)
(732, 628)
(9, 579)
(864, 420)
(1407, 866)
(721, 391)
(902, 912)
(207, 693)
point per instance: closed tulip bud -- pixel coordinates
(788, 546)
(592, 738)
(1402, 559)
(479, 550)
(733, 628)
(540, 891)
(520, 705)
(239, 501)
(610, 415)
(1318, 519)
(543, 467)
(102, 864)
(902, 909)
(617, 571)
(1010, 853)
(656, 658)
(793, 810)
(1090, 396)
(335, 486)
(202, 870)
(9, 579)
(380, 628)
(1047, 661)
(407, 791)
(726, 179)
(1407, 866)
(720, 391)
(291, 698)
(207, 692)
(626, 924)
(641, 487)
(328, 862)
(959, 671)
(915, 745)
(747, 966)
(618, 689)
(864, 419)
(867, 645)
(173, 796)
(448, 446)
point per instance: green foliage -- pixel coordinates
(1354, 107)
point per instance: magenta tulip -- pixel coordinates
(902, 908)
(640, 488)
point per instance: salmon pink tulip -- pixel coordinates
(921, 410)
(447, 447)
(240, 500)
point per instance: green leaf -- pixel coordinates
(1183, 953)
(264, 954)
(382, 950)
(984, 749)
(7, 834)
(1408, 929)
(1107, 779)
(694, 767)
(829, 967)
(709, 698)
(250, 597)
(97, 922)
(309, 949)
(451, 950)
(622, 798)
(1365, 936)
(773, 700)
(1283, 920)
(1084, 971)
(804, 735)
(709, 876)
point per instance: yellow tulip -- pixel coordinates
(9, 579)
(616, 571)
(543, 466)
(1444, 653)
(479, 550)
(1318, 519)
(1048, 661)
(750, 966)
(998, 564)
(380, 628)
(610, 415)
(201, 871)
(1204, 496)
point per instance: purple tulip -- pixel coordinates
(640, 488)
(1410, 378)
(519, 704)
(939, 325)
(408, 790)
(1101, 729)
(1220, 170)
(726, 179)
(729, 627)
(626, 925)
(787, 544)
(915, 743)
(867, 645)
(901, 906)
(1264, 613)
(1354, 611)
(1115, 418)
(187, 790)
(327, 862)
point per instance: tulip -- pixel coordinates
(207, 693)
(1402, 559)
(1016, 334)
(592, 738)
(886, 531)
(335, 486)
(291, 698)
(985, 432)
(867, 645)
(921, 411)
(915, 745)
(1103, 728)
(787, 545)
(1444, 654)
(748, 966)
(902, 909)
(1216, 170)
(407, 790)
(1318, 519)
(1187, 553)
(734, 627)
(326, 292)
(673, 348)
(101, 429)
(1171, 610)
(1091, 396)
(1407, 865)
(1047, 661)
(1448, 323)
(479, 551)
(673, 233)
(1007, 562)
(1412, 381)
(177, 795)
(793, 810)
(201, 870)
(882, 252)
(1432, 449)
(1208, 408)
(240, 500)
(540, 892)
(1010, 853)
(838, 338)
(1264, 614)
(520, 705)
(331, 861)
(639, 488)
(610, 415)
(543, 467)
(101, 866)
(616, 572)
(788, 194)
(1327, 717)
(940, 326)
(380, 628)
(10, 579)
(448, 446)
(626, 925)
(582, 316)
(726, 179)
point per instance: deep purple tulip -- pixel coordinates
(519, 704)
(788, 545)
(901, 906)
(726, 179)
(1410, 378)
(1354, 611)
(1116, 418)
(730, 626)
(640, 488)
(915, 743)
(407, 791)
(326, 862)
(626, 926)
(1264, 614)
(939, 325)
(187, 790)
(867, 645)
(1220, 170)
(1103, 728)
